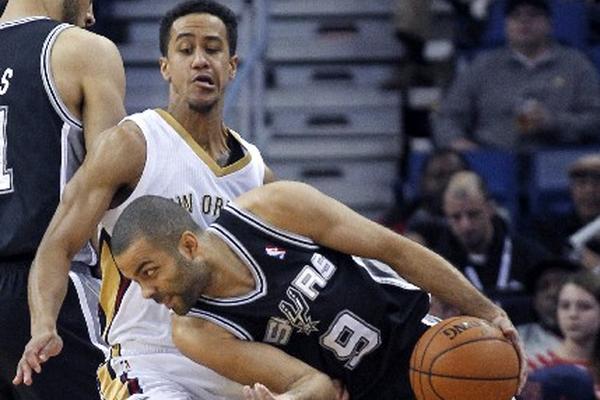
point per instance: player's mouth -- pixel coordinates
(204, 80)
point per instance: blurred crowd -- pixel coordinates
(521, 86)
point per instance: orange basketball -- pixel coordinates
(464, 358)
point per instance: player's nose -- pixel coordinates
(149, 293)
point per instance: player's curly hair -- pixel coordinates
(224, 13)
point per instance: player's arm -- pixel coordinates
(299, 208)
(115, 162)
(269, 176)
(249, 362)
(90, 77)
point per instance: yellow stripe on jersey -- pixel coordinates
(207, 159)
(112, 387)
(113, 285)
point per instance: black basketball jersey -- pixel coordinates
(348, 317)
(41, 143)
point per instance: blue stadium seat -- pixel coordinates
(548, 183)
(570, 22)
(499, 169)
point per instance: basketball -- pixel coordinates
(464, 358)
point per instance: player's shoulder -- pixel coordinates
(121, 147)
(79, 45)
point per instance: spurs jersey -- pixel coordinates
(176, 168)
(39, 151)
(351, 318)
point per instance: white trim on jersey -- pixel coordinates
(289, 237)
(237, 330)
(255, 270)
(21, 21)
(383, 273)
(48, 79)
(87, 254)
(88, 301)
(64, 156)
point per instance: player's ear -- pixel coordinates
(188, 245)
(164, 68)
(233, 64)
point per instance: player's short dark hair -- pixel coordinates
(220, 11)
(159, 220)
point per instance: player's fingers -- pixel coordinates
(510, 332)
(263, 392)
(18, 379)
(248, 393)
(25, 372)
(51, 349)
(342, 393)
(32, 360)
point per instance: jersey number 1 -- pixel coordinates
(6, 182)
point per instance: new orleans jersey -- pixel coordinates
(354, 319)
(200, 186)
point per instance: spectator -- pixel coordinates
(584, 186)
(561, 382)
(479, 243)
(423, 213)
(531, 92)
(578, 315)
(543, 283)
(412, 21)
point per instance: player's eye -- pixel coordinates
(149, 273)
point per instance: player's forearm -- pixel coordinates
(47, 288)
(433, 273)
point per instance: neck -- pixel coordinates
(532, 52)
(17, 9)
(230, 275)
(573, 350)
(484, 245)
(207, 129)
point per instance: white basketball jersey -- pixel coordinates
(176, 168)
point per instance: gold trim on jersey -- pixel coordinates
(111, 386)
(200, 152)
(113, 287)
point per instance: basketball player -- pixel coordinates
(277, 270)
(185, 153)
(60, 86)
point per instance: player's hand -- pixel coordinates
(260, 392)
(342, 393)
(509, 330)
(39, 350)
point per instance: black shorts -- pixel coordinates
(71, 374)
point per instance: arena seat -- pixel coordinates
(548, 183)
(499, 169)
